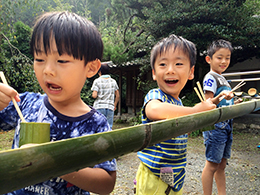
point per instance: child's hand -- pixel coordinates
(239, 100)
(28, 145)
(205, 105)
(6, 92)
(228, 95)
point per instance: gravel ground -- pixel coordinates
(242, 173)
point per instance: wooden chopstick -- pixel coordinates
(234, 89)
(14, 102)
(198, 94)
(239, 85)
(201, 91)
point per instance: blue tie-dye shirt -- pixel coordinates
(35, 107)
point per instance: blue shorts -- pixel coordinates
(218, 144)
(109, 114)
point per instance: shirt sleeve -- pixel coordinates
(210, 83)
(154, 94)
(94, 86)
(115, 85)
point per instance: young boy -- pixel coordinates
(218, 141)
(162, 167)
(67, 50)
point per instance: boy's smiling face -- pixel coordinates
(172, 71)
(220, 60)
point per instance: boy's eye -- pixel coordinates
(179, 64)
(38, 60)
(162, 64)
(63, 61)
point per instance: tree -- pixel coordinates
(15, 59)
(198, 21)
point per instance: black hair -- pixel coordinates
(73, 35)
(104, 69)
(179, 42)
(218, 44)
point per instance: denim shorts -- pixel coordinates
(109, 114)
(218, 144)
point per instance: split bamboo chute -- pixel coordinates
(13, 100)
(27, 166)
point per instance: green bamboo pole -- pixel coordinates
(27, 166)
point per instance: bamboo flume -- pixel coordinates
(27, 166)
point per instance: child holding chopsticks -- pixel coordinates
(218, 141)
(67, 50)
(162, 166)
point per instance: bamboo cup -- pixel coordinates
(252, 92)
(34, 133)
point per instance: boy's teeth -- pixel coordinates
(55, 88)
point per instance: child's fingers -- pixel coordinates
(17, 98)
(8, 90)
(226, 94)
(28, 145)
(210, 103)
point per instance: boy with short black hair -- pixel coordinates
(67, 50)
(218, 141)
(162, 167)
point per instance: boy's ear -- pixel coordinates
(153, 74)
(191, 76)
(208, 59)
(93, 67)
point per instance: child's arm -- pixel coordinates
(228, 96)
(116, 99)
(94, 94)
(157, 110)
(95, 180)
(6, 92)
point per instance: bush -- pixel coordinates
(16, 61)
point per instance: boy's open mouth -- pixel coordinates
(53, 87)
(171, 81)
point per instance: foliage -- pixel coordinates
(60, 5)
(19, 38)
(190, 99)
(86, 93)
(136, 120)
(198, 21)
(18, 67)
(13, 10)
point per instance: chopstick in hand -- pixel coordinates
(201, 91)
(201, 97)
(198, 94)
(14, 102)
(234, 89)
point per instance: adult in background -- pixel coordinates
(105, 91)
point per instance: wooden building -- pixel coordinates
(134, 97)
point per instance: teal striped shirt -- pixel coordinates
(169, 153)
